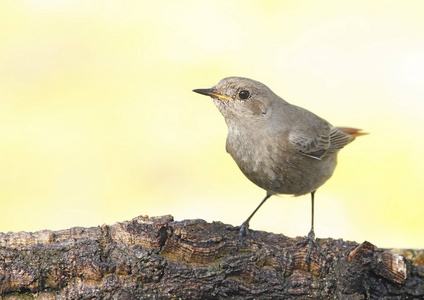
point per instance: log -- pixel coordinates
(157, 258)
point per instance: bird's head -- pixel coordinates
(241, 98)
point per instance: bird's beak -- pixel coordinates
(210, 92)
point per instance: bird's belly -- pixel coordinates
(285, 173)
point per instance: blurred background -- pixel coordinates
(99, 124)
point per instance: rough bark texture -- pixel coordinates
(156, 258)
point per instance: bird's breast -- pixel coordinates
(261, 158)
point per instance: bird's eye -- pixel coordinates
(244, 95)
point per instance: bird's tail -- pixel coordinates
(352, 131)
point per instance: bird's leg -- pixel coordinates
(310, 239)
(244, 228)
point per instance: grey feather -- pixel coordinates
(329, 141)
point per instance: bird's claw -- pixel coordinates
(244, 230)
(311, 242)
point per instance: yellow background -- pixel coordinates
(98, 122)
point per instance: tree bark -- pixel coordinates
(156, 258)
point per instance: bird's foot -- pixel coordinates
(311, 242)
(244, 230)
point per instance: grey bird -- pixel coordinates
(280, 147)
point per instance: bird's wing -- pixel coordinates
(321, 142)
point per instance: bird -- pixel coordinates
(280, 147)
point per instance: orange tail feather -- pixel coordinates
(352, 131)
